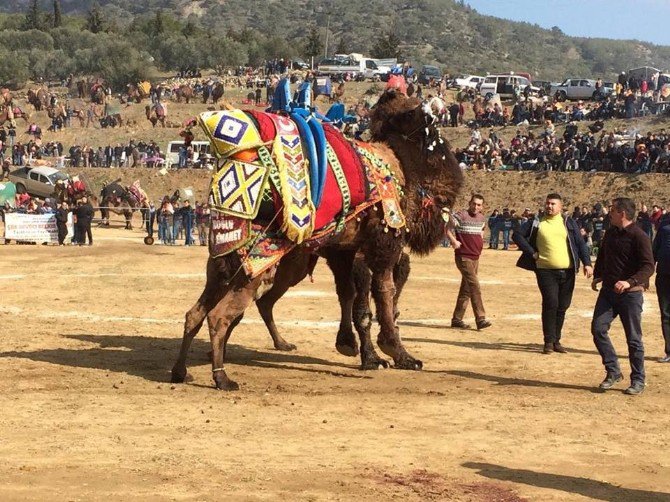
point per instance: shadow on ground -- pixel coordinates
(152, 358)
(598, 490)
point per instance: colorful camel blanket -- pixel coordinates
(261, 197)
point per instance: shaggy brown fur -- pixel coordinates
(431, 178)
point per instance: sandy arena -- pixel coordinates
(90, 334)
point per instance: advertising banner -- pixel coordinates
(34, 227)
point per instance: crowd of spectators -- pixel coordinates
(592, 150)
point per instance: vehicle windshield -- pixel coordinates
(57, 176)
(566, 81)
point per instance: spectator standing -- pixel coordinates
(552, 246)
(468, 243)
(494, 232)
(507, 224)
(624, 265)
(84, 214)
(5, 169)
(661, 250)
(61, 222)
(187, 222)
(150, 219)
(201, 221)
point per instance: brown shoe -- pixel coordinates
(458, 323)
(548, 348)
(483, 324)
(559, 348)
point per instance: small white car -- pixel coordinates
(578, 88)
(469, 81)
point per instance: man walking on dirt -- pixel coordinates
(624, 265)
(468, 243)
(553, 247)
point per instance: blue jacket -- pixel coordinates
(525, 236)
(661, 246)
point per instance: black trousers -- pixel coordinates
(556, 287)
(663, 293)
(84, 230)
(628, 307)
(62, 232)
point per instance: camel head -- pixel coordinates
(433, 178)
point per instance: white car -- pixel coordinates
(578, 88)
(469, 81)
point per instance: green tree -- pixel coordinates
(342, 46)
(158, 25)
(33, 19)
(313, 45)
(58, 17)
(387, 46)
(94, 20)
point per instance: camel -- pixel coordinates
(405, 137)
(184, 92)
(119, 200)
(39, 98)
(8, 114)
(216, 92)
(156, 112)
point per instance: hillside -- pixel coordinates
(444, 32)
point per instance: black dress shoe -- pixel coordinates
(559, 348)
(634, 389)
(610, 381)
(548, 348)
(458, 323)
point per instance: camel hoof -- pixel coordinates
(374, 364)
(227, 385)
(409, 363)
(178, 375)
(347, 350)
(285, 346)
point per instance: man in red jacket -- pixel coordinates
(468, 243)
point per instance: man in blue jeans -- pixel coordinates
(552, 247)
(661, 248)
(624, 265)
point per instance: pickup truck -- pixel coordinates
(578, 88)
(366, 67)
(37, 181)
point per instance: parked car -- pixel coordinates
(578, 88)
(429, 73)
(299, 64)
(37, 181)
(468, 81)
(506, 85)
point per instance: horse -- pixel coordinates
(424, 170)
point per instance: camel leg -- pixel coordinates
(341, 264)
(129, 220)
(265, 306)
(192, 324)
(383, 293)
(362, 317)
(400, 276)
(220, 319)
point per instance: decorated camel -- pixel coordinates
(270, 212)
(118, 199)
(156, 113)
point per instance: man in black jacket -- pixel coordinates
(84, 214)
(61, 222)
(553, 247)
(624, 265)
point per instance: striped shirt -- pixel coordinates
(469, 230)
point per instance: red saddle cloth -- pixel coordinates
(331, 201)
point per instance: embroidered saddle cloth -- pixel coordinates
(261, 197)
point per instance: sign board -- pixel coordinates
(34, 227)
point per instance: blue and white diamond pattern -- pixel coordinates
(230, 129)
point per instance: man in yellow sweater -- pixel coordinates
(553, 248)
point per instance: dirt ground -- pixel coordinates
(90, 334)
